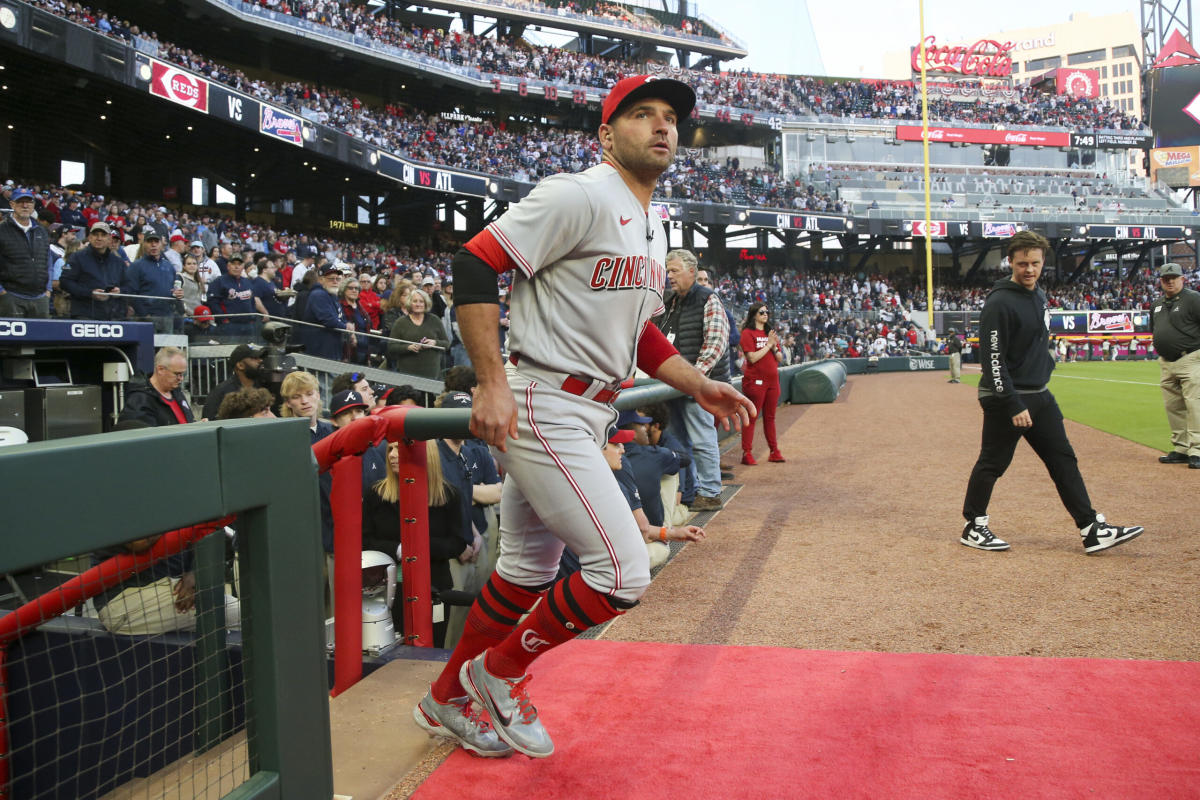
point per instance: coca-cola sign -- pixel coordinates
(912, 133)
(987, 58)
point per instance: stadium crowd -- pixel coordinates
(777, 94)
(281, 267)
(534, 151)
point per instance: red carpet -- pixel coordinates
(636, 720)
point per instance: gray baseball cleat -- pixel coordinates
(458, 721)
(507, 701)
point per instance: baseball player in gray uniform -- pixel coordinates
(589, 262)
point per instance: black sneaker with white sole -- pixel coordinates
(1101, 535)
(977, 534)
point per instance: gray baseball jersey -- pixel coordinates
(590, 273)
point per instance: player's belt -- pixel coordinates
(587, 388)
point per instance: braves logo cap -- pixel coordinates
(344, 401)
(678, 94)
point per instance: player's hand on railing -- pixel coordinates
(494, 415)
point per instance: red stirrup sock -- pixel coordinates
(495, 613)
(567, 610)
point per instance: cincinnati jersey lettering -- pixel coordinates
(628, 272)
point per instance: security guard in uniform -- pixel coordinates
(1175, 323)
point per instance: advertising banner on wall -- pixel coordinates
(1175, 166)
(912, 133)
(178, 86)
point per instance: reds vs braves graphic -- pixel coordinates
(178, 86)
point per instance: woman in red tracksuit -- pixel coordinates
(760, 379)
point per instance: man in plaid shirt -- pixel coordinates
(695, 322)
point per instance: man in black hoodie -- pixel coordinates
(1015, 356)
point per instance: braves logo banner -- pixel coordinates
(281, 125)
(1110, 322)
(912, 133)
(178, 86)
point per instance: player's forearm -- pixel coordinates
(679, 374)
(480, 326)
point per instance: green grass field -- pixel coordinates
(1118, 397)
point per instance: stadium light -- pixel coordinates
(1187, 231)
(373, 158)
(7, 18)
(849, 224)
(144, 72)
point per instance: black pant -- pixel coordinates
(1048, 439)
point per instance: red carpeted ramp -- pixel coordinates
(642, 720)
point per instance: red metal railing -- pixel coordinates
(341, 452)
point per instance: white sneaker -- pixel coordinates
(977, 534)
(1101, 535)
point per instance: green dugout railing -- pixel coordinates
(77, 495)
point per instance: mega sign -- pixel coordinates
(912, 133)
(987, 58)
(178, 86)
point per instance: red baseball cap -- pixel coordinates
(620, 436)
(202, 314)
(679, 95)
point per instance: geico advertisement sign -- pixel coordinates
(13, 327)
(97, 330)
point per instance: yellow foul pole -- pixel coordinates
(925, 144)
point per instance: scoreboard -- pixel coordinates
(1139, 232)
(1067, 323)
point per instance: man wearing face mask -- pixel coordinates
(245, 372)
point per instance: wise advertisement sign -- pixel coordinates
(912, 133)
(184, 88)
(1175, 163)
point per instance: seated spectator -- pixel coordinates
(481, 466)
(245, 372)
(447, 538)
(656, 536)
(403, 395)
(460, 378)
(251, 402)
(158, 599)
(201, 327)
(674, 511)
(648, 463)
(160, 401)
(347, 406)
(356, 381)
(301, 396)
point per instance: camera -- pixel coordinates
(277, 362)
